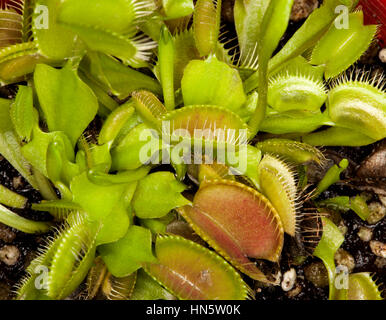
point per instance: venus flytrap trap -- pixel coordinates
(211, 279)
(339, 57)
(96, 127)
(217, 204)
(273, 27)
(206, 25)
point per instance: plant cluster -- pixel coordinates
(99, 74)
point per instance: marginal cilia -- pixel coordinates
(130, 116)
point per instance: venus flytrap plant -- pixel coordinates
(356, 105)
(295, 121)
(10, 146)
(344, 203)
(304, 38)
(358, 286)
(330, 242)
(39, 44)
(338, 58)
(146, 288)
(296, 92)
(11, 199)
(277, 181)
(113, 207)
(217, 204)
(291, 151)
(118, 39)
(248, 18)
(177, 9)
(216, 279)
(15, 221)
(274, 24)
(109, 75)
(332, 176)
(212, 82)
(119, 288)
(166, 63)
(206, 25)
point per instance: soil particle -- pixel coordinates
(382, 55)
(342, 227)
(295, 291)
(4, 291)
(360, 250)
(380, 263)
(9, 255)
(365, 234)
(301, 9)
(316, 273)
(375, 165)
(289, 279)
(378, 248)
(343, 258)
(6, 234)
(17, 182)
(17, 248)
(377, 212)
(227, 10)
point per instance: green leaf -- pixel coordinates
(337, 136)
(330, 242)
(23, 114)
(309, 33)
(273, 26)
(13, 220)
(363, 287)
(158, 225)
(114, 226)
(294, 121)
(120, 177)
(177, 8)
(248, 16)
(117, 15)
(148, 289)
(114, 123)
(115, 77)
(110, 27)
(68, 104)
(212, 82)
(340, 48)
(136, 148)
(129, 253)
(359, 206)
(157, 194)
(98, 39)
(53, 40)
(332, 176)
(97, 200)
(36, 150)
(59, 168)
(247, 163)
(166, 66)
(10, 147)
(206, 25)
(12, 199)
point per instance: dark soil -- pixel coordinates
(292, 256)
(26, 244)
